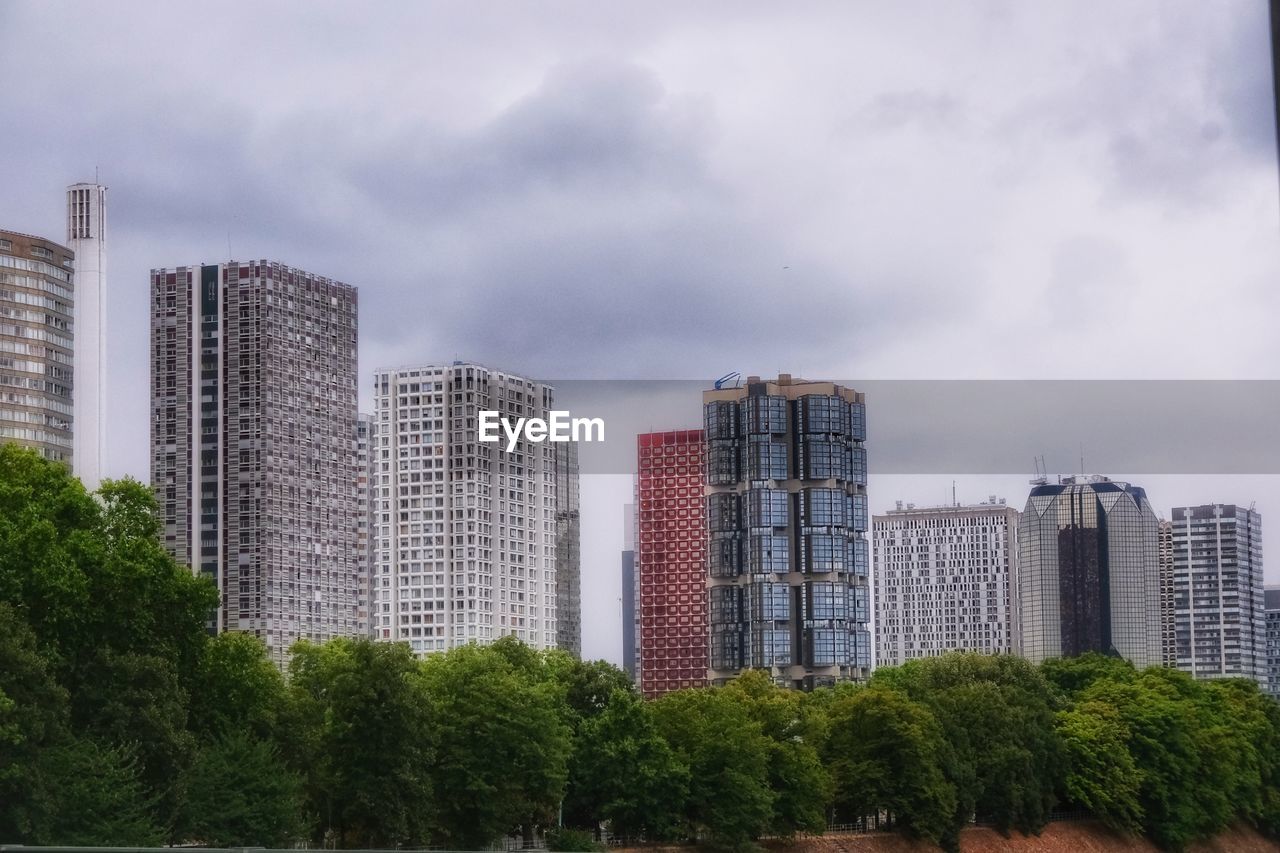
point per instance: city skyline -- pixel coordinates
(579, 177)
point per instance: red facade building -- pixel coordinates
(671, 562)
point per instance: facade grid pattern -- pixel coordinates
(670, 563)
(37, 361)
(253, 444)
(943, 580)
(788, 558)
(1220, 623)
(464, 532)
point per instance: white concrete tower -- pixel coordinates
(87, 237)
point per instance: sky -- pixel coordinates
(914, 190)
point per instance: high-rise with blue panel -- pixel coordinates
(787, 559)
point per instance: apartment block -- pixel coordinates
(943, 580)
(253, 444)
(670, 562)
(37, 306)
(464, 531)
(1220, 620)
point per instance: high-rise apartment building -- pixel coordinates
(464, 531)
(87, 237)
(670, 562)
(1271, 604)
(1088, 577)
(787, 513)
(1168, 636)
(568, 550)
(943, 580)
(253, 433)
(630, 590)
(1218, 591)
(37, 300)
(364, 515)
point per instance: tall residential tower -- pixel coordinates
(464, 532)
(1220, 624)
(670, 562)
(36, 352)
(787, 515)
(253, 444)
(87, 237)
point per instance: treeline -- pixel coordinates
(123, 723)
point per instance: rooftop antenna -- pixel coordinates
(229, 255)
(1082, 458)
(953, 494)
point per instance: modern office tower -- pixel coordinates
(253, 426)
(364, 516)
(1168, 634)
(629, 590)
(787, 513)
(1218, 593)
(87, 237)
(1271, 603)
(671, 560)
(943, 579)
(36, 323)
(1088, 576)
(464, 534)
(568, 550)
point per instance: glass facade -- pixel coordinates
(1088, 572)
(787, 515)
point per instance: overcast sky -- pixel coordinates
(990, 189)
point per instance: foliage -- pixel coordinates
(996, 713)
(794, 730)
(238, 793)
(361, 724)
(91, 794)
(624, 772)
(1100, 774)
(730, 801)
(504, 742)
(886, 754)
(236, 688)
(572, 841)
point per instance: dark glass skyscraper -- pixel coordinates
(787, 515)
(1088, 573)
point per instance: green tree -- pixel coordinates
(588, 685)
(239, 793)
(886, 754)
(1174, 796)
(624, 772)
(730, 802)
(236, 688)
(360, 733)
(996, 713)
(33, 716)
(800, 782)
(1073, 675)
(90, 794)
(504, 742)
(1099, 773)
